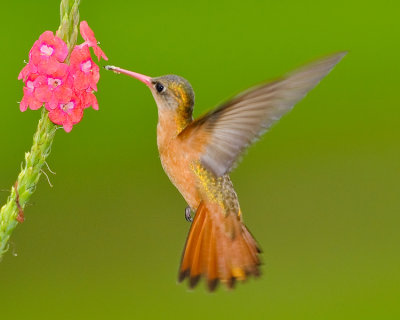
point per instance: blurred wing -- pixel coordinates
(229, 129)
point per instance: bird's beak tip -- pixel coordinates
(145, 79)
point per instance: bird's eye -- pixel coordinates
(159, 87)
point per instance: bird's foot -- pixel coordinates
(188, 214)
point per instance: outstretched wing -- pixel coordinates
(229, 129)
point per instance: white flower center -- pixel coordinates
(46, 50)
(53, 82)
(29, 85)
(86, 66)
(68, 106)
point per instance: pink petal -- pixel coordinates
(40, 81)
(35, 56)
(62, 94)
(48, 65)
(43, 94)
(88, 36)
(61, 49)
(47, 37)
(95, 80)
(76, 114)
(67, 125)
(87, 33)
(57, 116)
(23, 105)
(29, 70)
(95, 75)
(34, 47)
(93, 85)
(89, 99)
(24, 72)
(61, 71)
(52, 103)
(35, 104)
(27, 92)
(99, 53)
(92, 101)
(79, 54)
(30, 101)
(81, 81)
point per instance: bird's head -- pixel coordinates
(171, 93)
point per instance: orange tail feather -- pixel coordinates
(220, 248)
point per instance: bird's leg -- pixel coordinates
(188, 214)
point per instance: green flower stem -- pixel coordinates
(12, 212)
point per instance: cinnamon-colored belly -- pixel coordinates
(177, 164)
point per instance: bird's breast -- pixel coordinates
(177, 164)
(180, 160)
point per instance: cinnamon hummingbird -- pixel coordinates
(198, 155)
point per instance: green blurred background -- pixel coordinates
(320, 191)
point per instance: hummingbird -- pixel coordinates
(198, 155)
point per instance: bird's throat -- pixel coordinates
(170, 124)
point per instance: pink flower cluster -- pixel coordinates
(64, 89)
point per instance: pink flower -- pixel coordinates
(67, 114)
(65, 89)
(89, 99)
(48, 52)
(28, 70)
(85, 72)
(29, 99)
(55, 88)
(90, 40)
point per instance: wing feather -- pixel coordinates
(233, 126)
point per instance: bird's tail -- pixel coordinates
(220, 248)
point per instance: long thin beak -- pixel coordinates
(145, 79)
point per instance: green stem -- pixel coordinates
(12, 212)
